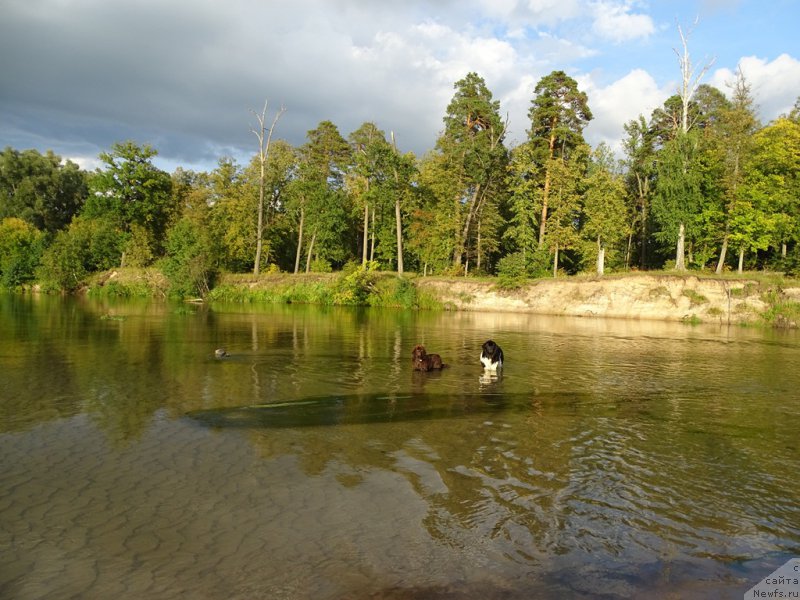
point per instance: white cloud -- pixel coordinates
(774, 85)
(531, 13)
(615, 22)
(637, 93)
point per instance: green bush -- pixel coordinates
(21, 247)
(62, 266)
(512, 270)
(355, 284)
(187, 265)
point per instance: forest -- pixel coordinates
(702, 185)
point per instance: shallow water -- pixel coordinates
(609, 459)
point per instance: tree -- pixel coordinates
(678, 194)
(772, 181)
(641, 160)
(690, 80)
(370, 157)
(379, 181)
(690, 76)
(43, 190)
(738, 123)
(473, 158)
(605, 215)
(264, 138)
(559, 112)
(564, 213)
(133, 192)
(232, 201)
(318, 197)
(21, 246)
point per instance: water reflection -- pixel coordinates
(620, 459)
(351, 410)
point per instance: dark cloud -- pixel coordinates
(78, 75)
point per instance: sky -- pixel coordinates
(187, 77)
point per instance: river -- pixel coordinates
(608, 459)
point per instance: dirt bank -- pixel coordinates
(661, 297)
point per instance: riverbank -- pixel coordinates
(686, 298)
(770, 301)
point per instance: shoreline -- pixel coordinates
(690, 298)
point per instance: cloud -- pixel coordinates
(532, 13)
(773, 83)
(615, 22)
(78, 75)
(637, 93)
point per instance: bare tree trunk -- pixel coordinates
(601, 256)
(310, 250)
(545, 197)
(462, 241)
(690, 79)
(397, 216)
(264, 139)
(783, 249)
(366, 234)
(555, 263)
(628, 252)
(372, 244)
(478, 258)
(643, 186)
(680, 260)
(299, 240)
(722, 254)
(741, 260)
(546, 191)
(399, 236)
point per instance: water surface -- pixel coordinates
(610, 459)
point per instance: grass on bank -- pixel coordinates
(365, 286)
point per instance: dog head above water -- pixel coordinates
(422, 361)
(491, 355)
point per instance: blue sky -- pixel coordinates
(184, 75)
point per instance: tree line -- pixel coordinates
(702, 185)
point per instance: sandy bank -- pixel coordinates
(659, 297)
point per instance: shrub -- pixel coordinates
(21, 247)
(355, 284)
(187, 265)
(62, 265)
(512, 270)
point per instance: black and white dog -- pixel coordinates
(491, 356)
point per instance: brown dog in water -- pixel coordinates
(422, 361)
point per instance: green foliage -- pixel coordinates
(119, 289)
(63, 263)
(320, 265)
(467, 173)
(88, 245)
(677, 195)
(302, 292)
(781, 312)
(355, 284)
(138, 247)
(605, 216)
(559, 112)
(42, 190)
(21, 247)
(695, 299)
(512, 270)
(132, 191)
(188, 266)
